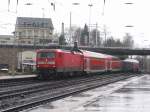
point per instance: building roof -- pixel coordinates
(34, 22)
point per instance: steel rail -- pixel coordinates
(28, 89)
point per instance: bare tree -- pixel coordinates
(62, 40)
(128, 41)
(84, 40)
(96, 39)
(77, 35)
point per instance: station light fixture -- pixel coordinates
(129, 3)
(129, 26)
(75, 3)
(28, 4)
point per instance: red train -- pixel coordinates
(130, 65)
(58, 62)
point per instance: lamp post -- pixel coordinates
(129, 3)
(96, 33)
(29, 4)
(34, 39)
(71, 19)
(128, 37)
(13, 55)
(43, 16)
(70, 29)
(129, 26)
(90, 6)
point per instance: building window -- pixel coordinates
(50, 32)
(7, 38)
(22, 41)
(45, 41)
(36, 33)
(29, 33)
(33, 24)
(23, 33)
(42, 33)
(29, 25)
(29, 42)
(42, 25)
(45, 25)
(3, 41)
(24, 24)
(37, 24)
(19, 34)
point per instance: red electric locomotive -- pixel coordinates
(55, 61)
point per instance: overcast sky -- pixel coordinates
(116, 15)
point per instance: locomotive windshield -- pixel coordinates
(46, 55)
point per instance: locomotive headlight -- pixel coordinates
(47, 62)
(41, 62)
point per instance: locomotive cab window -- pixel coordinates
(46, 55)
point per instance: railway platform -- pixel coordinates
(131, 95)
(9, 77)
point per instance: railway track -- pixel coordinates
(11, 92)
(15, 82)
(28, 96)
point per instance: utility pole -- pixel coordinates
(96, 36)
(13, 54)
(105, 36)
(70, 30)
(90, 6)
(43, 24)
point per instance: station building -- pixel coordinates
(33, 31)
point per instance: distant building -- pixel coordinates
(6, 39)
(33, 31)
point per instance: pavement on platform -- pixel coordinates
(131, 95)
(3, 77)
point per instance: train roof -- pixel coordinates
(131, 60)
(54, 50)
(96, 55)
(85, 53)
(46, 50)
